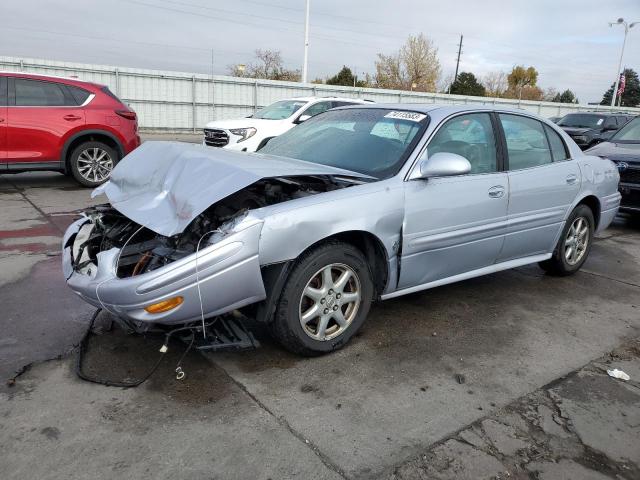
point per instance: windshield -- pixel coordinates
(280, 110)
(630, 133)
(372, 141)
(577, 120)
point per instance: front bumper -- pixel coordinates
(630, 197)
(228, 273)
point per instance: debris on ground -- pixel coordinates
(619, 374)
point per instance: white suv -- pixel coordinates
(249, 134)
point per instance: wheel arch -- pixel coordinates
(593, 203)
(275, 275)
(89, 136)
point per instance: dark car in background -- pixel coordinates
(624, 150)
(63, 124)
(589, 128)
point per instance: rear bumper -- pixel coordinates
(610, 205)
(228, 274)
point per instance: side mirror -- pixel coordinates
(303, 118)
(610, 127)
(442, 164)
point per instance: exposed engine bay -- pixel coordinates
(143, 250)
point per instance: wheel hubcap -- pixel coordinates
(576, 241)
(330, 301)
(95, 164)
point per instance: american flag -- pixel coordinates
(622, 83)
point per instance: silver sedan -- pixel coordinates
(357, 204)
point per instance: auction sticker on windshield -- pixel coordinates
(413, 116)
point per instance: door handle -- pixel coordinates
(71, 118)
(496, 192)
(1, 120)
(571, 179)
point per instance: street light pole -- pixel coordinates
(306, 43)
(627, 27)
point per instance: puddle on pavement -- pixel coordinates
(118, 356)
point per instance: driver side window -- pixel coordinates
(470, 136)
(317, 108)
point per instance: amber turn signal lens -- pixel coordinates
(165, 305)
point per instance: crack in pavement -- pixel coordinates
(324, 458)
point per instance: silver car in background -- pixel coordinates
(357, 204)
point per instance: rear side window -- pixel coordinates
(3, 91)
(558, 149)
(35, 93)
(527, 144)
(108, 92)
(80, 95)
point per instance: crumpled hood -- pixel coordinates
(165, 185)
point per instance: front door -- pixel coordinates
(456, 224)
(3, 122)
(543, 184)
(40, 115)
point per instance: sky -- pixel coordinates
(569, 42)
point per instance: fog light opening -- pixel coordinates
(165, 305)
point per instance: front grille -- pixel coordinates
(630, 175)
(215, 138)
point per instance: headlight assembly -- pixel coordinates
(244, 133)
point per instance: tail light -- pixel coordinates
(128, 114)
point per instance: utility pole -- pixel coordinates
(455, 77)
(306, 43)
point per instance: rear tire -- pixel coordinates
(92, 162)
(325, 300)
(574, 244)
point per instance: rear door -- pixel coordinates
(40, 115)
(4, 97)
(543, 183)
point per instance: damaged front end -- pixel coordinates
(180, 237)
(117, 264)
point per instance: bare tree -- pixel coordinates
(389, 72)
(268, 65)
(414, 67)
(495, 83)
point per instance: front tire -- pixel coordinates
(325, 300)
(574, 244)
(92, 163)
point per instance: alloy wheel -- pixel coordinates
(95, 164)
(330, 301)
(576, 241)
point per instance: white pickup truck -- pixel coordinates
(251, 133)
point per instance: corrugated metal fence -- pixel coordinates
(182, 101)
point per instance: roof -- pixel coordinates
(44, 77)
(444, 109)
(311, 99)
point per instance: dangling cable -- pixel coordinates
(204, 329)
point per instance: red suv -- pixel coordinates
(75, 127)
